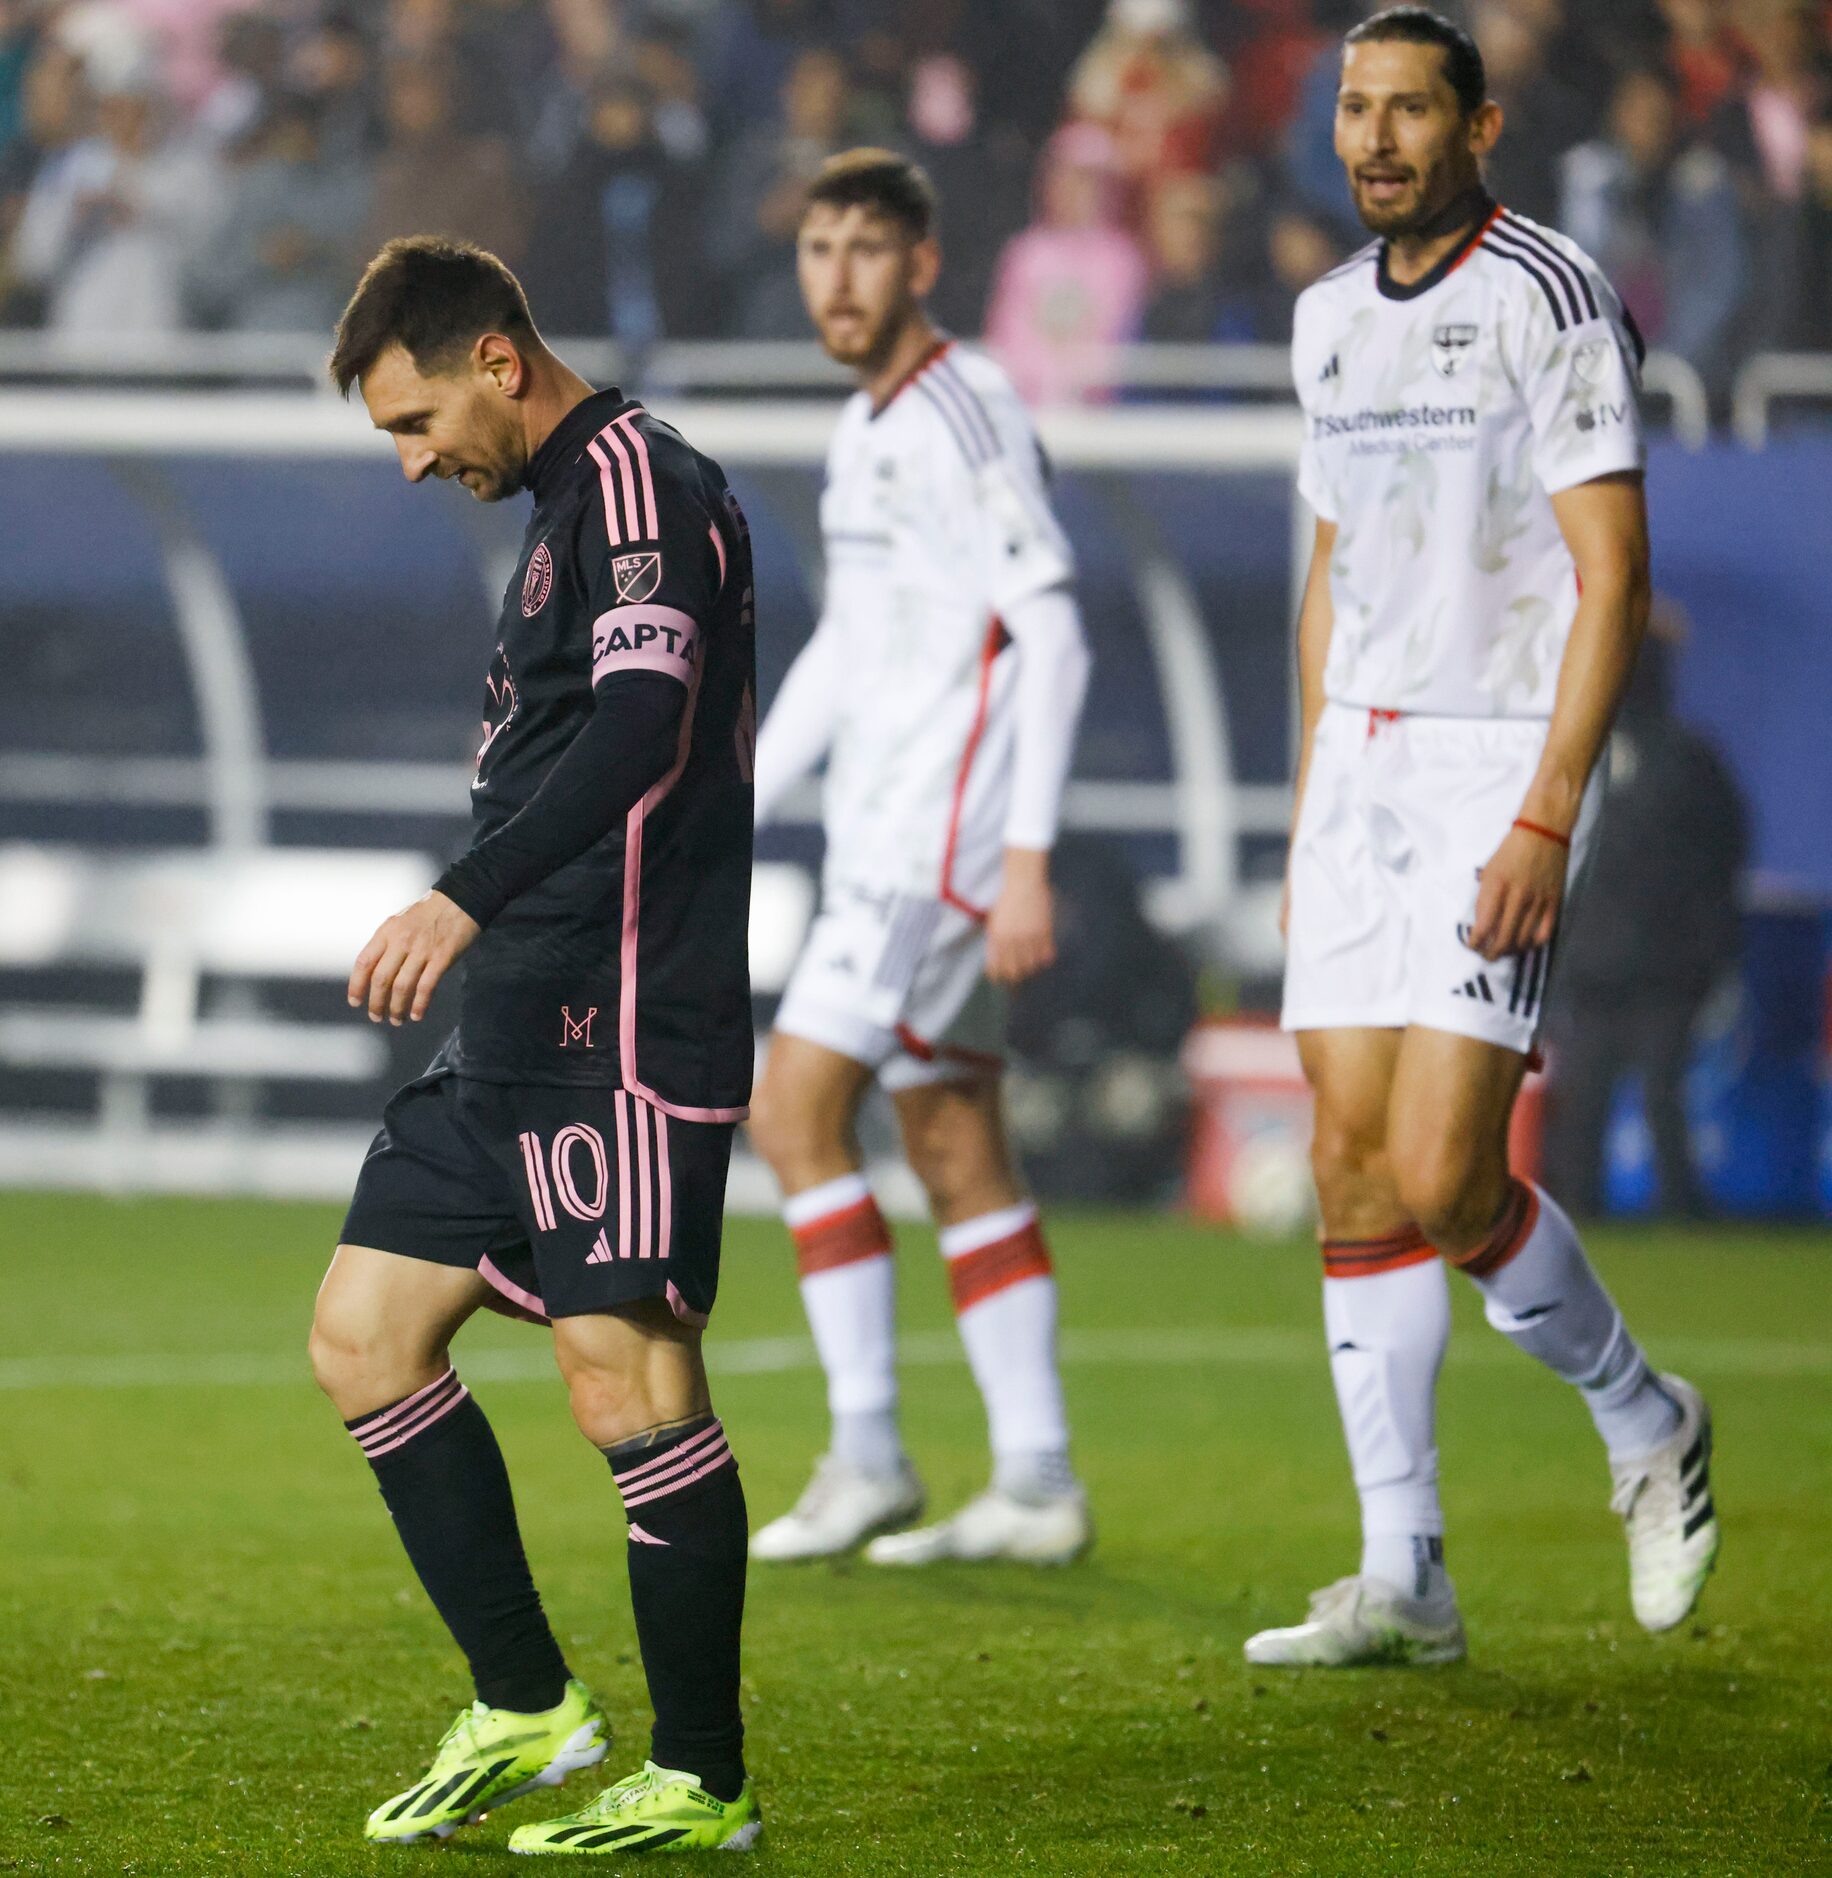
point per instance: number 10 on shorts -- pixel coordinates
(575, 1169)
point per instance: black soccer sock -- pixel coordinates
(442, 1476)
(689, 1538)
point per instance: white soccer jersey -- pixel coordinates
(935, 517)
(1440, 418)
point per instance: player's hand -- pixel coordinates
(1522, 889)
(1021, 928)
(398, 971)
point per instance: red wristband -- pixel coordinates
(1547, 834)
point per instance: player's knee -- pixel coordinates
(1345, 1159)
(1441, 1186)
(361, 1364)
(962, 1168)
(610, 1405)
(789, 1134)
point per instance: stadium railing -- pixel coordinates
(755, 367)
(1771, 377)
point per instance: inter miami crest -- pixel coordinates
(537, 583)
(1451, 348)
(636, 576)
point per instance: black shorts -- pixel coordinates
(565, 1200)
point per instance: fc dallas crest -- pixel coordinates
(637, 576)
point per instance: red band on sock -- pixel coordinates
(855, 1232)
(1367, 1258)
(975, 1276)
(1512, 1230)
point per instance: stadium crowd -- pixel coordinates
(1109, 169)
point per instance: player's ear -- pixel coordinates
(1485, 126)
(925, 266)
(500, 360)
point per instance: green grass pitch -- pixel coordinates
(214, 1659)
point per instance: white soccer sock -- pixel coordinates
(1005, 1301)
(849, 1290)
(1387, 1328)
(1540, 1292)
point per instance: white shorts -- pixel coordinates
(1400, 815)
(898, 984)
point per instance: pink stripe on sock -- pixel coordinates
(433, 1412)
(633, 1476)
(659, 1490)
(382, 1417)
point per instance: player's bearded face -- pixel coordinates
(1404, 140)
(858, 277)
(455, 425)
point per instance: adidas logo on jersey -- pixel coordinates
(1332, 370)
(1477, 987)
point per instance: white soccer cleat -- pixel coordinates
(1665, 1502)
(995, 1525)
(840, 1509)
(1363, 1620)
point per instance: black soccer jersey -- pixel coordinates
(624, 675)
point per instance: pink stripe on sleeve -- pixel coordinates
(645, 639)
(632, 515)
(607, 483)
(718, 548)
(640, 443)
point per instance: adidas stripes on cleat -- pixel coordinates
(1665, 1502)
(490, 1756)
(658, 1810)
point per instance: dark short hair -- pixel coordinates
(882, 181)
(435, 298)
(1419, 26)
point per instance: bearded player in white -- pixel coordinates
(1478, 590)
(943, 685)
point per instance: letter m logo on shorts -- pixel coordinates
(637, 576)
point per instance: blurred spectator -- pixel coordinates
(188, 38)
(284, 253)
(250, 57)
(18, 40)
(1785, 88)
(749, 55)
(53, 107)
(981, 171)
(333, 64)
(434, 177)
(1269, 56)
(1072, 285)
(1155, 88)
(1544, 115)
(1702, 55)
(592, 263)
(1312, 172)
(111, 219)
(1657, 209)
(1183, 234)
(1807, 255)
(766, 175)
(1653, 932)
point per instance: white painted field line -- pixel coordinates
(770, 1356)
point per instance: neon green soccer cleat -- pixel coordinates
(657, 1810)
(490, 1756)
